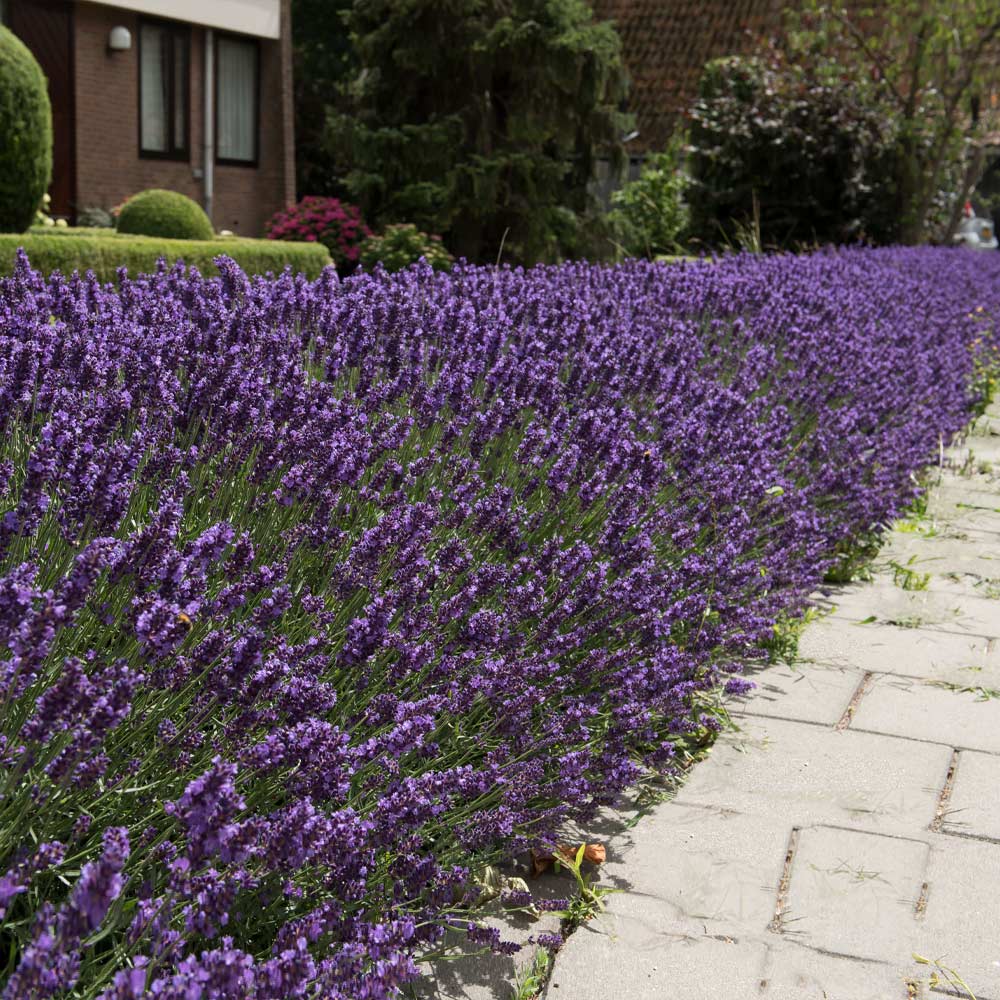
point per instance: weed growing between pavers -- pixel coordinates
(906, 577)
(320, 598)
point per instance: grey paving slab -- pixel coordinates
(978, 541)
(819, 694)
(961, 926)
(974, 806)
(633, 958)
(796, 973)
(854, 893)
(922, 711)
(717, 869)
(806, 774)
(954, 489)
(478, 976)
(940, 553)
(953, 612)
(971, 517)
(960, 497)
(987, 425)
(982, 448)
(972, 578)
(930, 654)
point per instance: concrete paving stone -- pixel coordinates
(805, 774)
(951, 612)
(964, 576)
(479, 976)
(982, 449)
(796, 973)
(956, 497)
(975, 575)
(630, 958)
(854, 893)
(967, 519)
(932, 655)
(961, 926)
(922, 711)
(805, 692)
(974, 539)
(949, 485)
(935, 533)
(719, 870)
(987, 425)
(977, 510)
(974, 807)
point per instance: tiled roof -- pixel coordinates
(666, 43)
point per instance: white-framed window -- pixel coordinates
(237, 99)
(164, 84)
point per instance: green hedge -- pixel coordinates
(103, 252)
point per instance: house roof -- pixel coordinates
(666, 43)
(250, 17)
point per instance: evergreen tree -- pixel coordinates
(480, 120)
(324, 61)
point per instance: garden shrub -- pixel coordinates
(104, 252)
(167, 214)
(330, 221)
(95, 217)
(25, 134)
(318, 597)
(814, 152)
(403, 244)
(649, 215)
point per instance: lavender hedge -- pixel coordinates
(317, 597)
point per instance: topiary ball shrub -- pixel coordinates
(403, 244)
(25, 134)
(167, 214)
(334, 223)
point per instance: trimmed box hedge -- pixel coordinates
(103, 252)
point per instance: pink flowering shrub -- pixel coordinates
(330, 221)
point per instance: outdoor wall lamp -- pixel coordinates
(120, 39)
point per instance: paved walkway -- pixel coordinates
(855, 817)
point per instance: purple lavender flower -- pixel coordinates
(323, 589)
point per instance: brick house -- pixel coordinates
(191, 95)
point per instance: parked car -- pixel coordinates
(975, 232)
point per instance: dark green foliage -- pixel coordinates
(480, 120)
(987, 194)
(103, 252)
(167, 214)
(401, 245)
(925, 62)
(813, 151)
(323, 63)
(25, 134)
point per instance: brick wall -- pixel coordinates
(109, 167)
